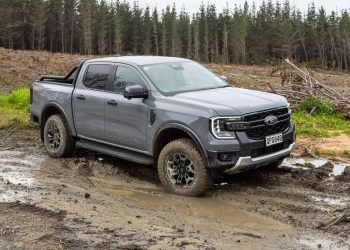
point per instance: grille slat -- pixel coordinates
(258, 129)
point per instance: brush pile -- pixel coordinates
(298, 84)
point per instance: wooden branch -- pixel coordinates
(9, 134)
(309, 152)
(333, 222)
(310, 113)
(310, 86)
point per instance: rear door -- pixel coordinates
(126, 120)
(89, 100)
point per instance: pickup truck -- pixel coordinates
(169, 112)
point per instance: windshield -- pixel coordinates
(182, 77)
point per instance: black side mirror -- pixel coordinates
(135, 91)
(224, 78)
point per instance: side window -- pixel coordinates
(96, 76)
(126, 77)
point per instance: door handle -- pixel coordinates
(112, 102)
(80, 97)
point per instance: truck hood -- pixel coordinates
(232, 101)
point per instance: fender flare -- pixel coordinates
(185, 129)
(53, 105)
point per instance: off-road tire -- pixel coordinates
(203, 179)
(66, 145)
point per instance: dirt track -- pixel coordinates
(95, 201)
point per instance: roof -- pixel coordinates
(140, 60)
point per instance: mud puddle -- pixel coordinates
(307, 162)
(102, 202)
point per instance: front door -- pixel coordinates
(126, 120)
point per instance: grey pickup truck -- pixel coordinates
(169, 112)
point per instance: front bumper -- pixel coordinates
(245, 163)
(247, 153)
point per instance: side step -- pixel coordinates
(116, 152)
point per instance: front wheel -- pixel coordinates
(182, 170)
(58, 142)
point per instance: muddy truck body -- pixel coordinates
(169, 112)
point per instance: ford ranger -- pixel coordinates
(169, 112)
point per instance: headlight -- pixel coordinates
(289, 108)
(219, 129)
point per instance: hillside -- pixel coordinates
(18, 69)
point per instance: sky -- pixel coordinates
(192, 6)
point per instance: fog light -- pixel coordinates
(226, 157)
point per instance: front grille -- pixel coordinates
(255, 127)
(261, 132)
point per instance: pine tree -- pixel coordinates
(147, 32)
(36, 20)
(70, 24)
(155, 23)
(203, 34)
(196, 42)
(225, 45)
(86, 10)
(101, 27)
(118, 28)
(344, 28)
(136, 29)
(183, 32)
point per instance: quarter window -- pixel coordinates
(97, 76)
(126, 77)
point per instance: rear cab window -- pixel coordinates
(97, 76)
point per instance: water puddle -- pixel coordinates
(332, 201)
(11, 175)
(321, 242)
(306, 162)
(202, 211)
(15, 167)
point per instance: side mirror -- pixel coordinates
(135, 91)
(224, 78)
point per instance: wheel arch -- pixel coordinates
(49, 110)
(172, 131)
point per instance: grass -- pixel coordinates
(323, 122)
(14, 110)
(320, 125)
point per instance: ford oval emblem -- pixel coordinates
(271, 120)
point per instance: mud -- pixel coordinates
(95, 201)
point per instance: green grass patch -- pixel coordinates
(323, 122)
(14, 110)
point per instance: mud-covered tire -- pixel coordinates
(203, 180)
(56, 124)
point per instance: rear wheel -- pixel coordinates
(58, 142)
(182, 170)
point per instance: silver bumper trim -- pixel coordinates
(245, 162)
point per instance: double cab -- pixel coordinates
(168, 112)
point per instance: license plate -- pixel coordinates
(273, 139)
